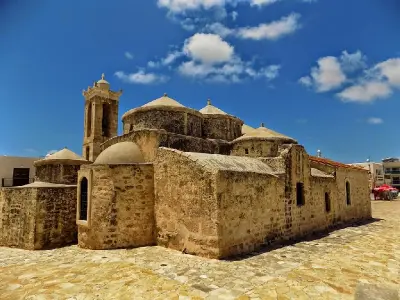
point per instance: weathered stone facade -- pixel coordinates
(38, 217)
(217, 192)
(121, 209)
(200, 182)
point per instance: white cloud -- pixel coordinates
(365, 92)
(375, 121)
(141, 77)
(213, 59)
(128, 55)
(208, 48)
(178, 6)
(327, 76)
(390, 70)
(271, 31)
(219, 29)
(262, 2)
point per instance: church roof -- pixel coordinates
(163, 101)
(264, 133)
(332, 163)
(120, 153)
(319, 173)
(62, 156)
(210, 109)
(247, 129)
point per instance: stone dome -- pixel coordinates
(163, 101)
(247, 129)
(263, 133)
(120, 153)
(64, 156)
(210, 109)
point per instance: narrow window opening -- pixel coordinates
(83, 199)
(131, 128)
(105, 124)
(327, 202)
(89, 121)
(300, 194)
(246, 151)
(348, 193)
(87, 153)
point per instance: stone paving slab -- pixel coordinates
(332, 267)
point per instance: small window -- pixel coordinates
(83, 189)
(327, 202)
(246, 151)
(87, 153)
(300, 194)
(348, 193)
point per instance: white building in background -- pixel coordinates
(391, 167)
(16, 171)
(376, 173)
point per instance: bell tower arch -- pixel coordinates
(101, 117)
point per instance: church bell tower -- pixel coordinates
(101, 117)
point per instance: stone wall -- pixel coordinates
(150, 140)
(37, 218)
(57, 173)
(177, 120)
(186, 207)
(222, 127)
(255, 148)
(251, 211)
(121, 207)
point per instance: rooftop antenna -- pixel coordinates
(319, 154)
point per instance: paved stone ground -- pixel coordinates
(332, 267)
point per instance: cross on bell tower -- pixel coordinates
(101, 117)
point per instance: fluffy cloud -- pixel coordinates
(332, 72)
(265, 31)
(177, 6)
(166, 61)
(262, 2)
(271, 31)
(375, 121)
(141, 77)
(208, 48)
(390, 70)
(365, 92)
(327, 76)
(213, 59)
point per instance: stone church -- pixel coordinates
(201, 182)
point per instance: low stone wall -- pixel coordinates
(37, 217)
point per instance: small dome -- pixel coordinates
(210, 109)
(247, 129)
(265, 133)
(164, 101)
(63, 156)
(102, 80)
(120, 153)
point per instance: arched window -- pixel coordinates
(348, 193)
(327, 202)
(83, 203)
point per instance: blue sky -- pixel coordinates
(325, 72)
